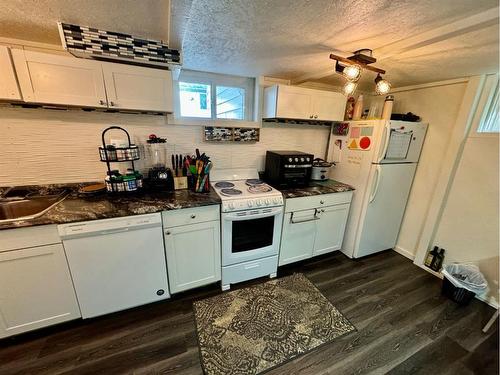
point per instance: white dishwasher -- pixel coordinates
(116, 263)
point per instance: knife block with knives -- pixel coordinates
(179, 172)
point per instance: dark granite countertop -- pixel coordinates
(316, 188)
(76, 207)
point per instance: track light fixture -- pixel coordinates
(352, 67)
(382, 86)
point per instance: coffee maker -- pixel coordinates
(160, 177)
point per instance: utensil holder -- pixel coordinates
(199, 183)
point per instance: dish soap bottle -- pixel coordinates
(429, 259)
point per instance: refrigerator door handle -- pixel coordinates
(377, 182)
(386, 137)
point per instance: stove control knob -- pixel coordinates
(259, 202)
(230, 206)
(308, 159)
(302, 160)
(290, 160)
(296, 160)
(250, 203)
(268, 201)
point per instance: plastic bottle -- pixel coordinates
(437, 262)
(430, 256)
(349, 108)
(358, 108)
(387, 109)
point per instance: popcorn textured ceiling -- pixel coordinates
(35, 20)
(281, 38)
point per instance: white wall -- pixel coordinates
(56, 146)
(439, 107)
(469, 226)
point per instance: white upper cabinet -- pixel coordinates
(292, 102)
(327, 105)
(58, 79)
(66, 80)
(138, 88)
(9, 89)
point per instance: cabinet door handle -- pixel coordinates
(322, 202)
(167, 232)
(315, 217)
(193, 216)
(102, 102)
(250, 266)
(112, 104)
(311, 116)
(315, 116)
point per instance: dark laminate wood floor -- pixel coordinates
(404, 327)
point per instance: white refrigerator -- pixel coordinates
(378, 158)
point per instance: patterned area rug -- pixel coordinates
(251, 330)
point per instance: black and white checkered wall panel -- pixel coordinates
(112, 45)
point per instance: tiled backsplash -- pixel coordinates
(48, 146)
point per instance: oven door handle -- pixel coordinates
(315, 217)
(252, 216)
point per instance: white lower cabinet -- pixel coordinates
(330, 228)
(310, 231)
(35, 289)
(193, 250)
(297, 239)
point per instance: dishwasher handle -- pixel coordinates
(108, 226)
(113, 231)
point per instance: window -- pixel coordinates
(214, 96)
(230, 102)
(195, 100)
(490, 119)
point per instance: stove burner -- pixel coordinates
(254, 182)
(230, 192)
(224, 184)
(255, 189)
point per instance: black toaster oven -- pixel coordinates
(288, 168)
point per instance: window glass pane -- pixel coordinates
(195, 100)
(230, 102)
(490, 120)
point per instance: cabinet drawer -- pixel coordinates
(186, 216)
(324, 200)
(21, 238)
(249, 270)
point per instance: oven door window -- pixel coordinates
(252, 234)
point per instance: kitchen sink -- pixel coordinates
(30, 206)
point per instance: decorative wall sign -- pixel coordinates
(89, 42)
(225, 134)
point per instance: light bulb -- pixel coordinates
(382, 86)
(349, 87)
(352, 72)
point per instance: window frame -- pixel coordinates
(214, 80)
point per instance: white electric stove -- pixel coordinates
(251, 221)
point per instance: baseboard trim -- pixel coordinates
(489, 300)
(404, 252)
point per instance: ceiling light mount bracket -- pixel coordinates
(360, 58)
